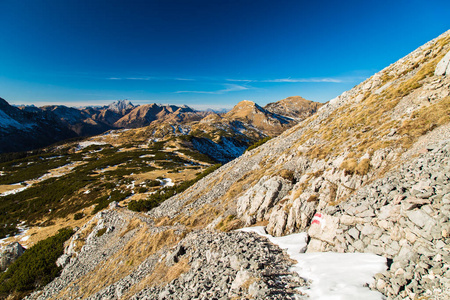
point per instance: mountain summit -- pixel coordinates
(252, 114)
(294, 107)
(121, 106)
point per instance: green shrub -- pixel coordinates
(101, 232)
(36, 267)
(142, 189)
(259, 143)
(152, 183)
(104, 201)
(78, 216)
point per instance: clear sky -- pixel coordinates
(203, 53)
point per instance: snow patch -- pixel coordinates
(6, 121)
(22, 231)
(166, 182)
(52, 173)
(15, 191)
(25, 238)
(86, 144)
(336, 276)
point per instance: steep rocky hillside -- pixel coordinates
(76, 120)
(371, 165)
(368, 173)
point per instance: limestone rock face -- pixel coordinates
(323, 227)
(443, 67)
(256, 202)
(9, 254)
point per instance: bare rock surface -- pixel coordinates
(203, 265)
(443, 67)
(9, 254)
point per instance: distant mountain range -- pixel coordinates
(24, 128)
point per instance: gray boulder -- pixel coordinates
(9, 254)
(443, 67)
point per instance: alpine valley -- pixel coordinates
(157, 195)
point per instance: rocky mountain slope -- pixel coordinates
(29, 129)
(369, 172)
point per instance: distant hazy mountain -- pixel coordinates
(146, 114)
(29, 127)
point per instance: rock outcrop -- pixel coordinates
(443, 67)
(9, 254)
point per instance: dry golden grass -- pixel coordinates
(163, 274)
(37, 233)
(183, 175)
(9, 187)
(313, 198)
(229, 223)
(424, 120)
(287, 207)
(143, 244)
(287, 174)
(349, 166)
(248, 179)
(199, 219)
(249, 282)
(132, 224)
(298, 192)
(363, 167)
(333, 194)
(362, 127)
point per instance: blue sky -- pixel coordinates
(203, 53)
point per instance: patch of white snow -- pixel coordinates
(334, 276)
(25, 238)
(86, 144)
(166, 182)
